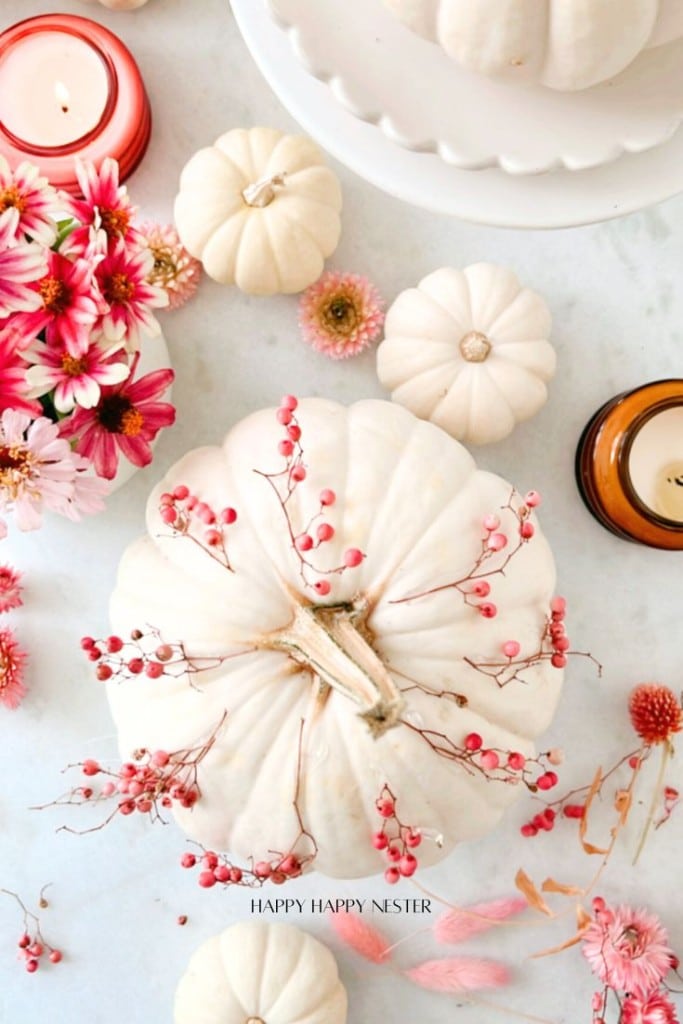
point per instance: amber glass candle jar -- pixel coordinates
(629, 465)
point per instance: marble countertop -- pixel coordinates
(618, 308)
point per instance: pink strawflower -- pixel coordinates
(105, 214)
(13, 386)
(38, 470)
(341, 314)
(69, 305)
(31, 200)
(10, 589)
(12, 661)
(75, 380)
(123, 276)
(627, 949)
(20, 264)
(127, 418)
(656, 1008)
(174, 269)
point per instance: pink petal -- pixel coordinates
(135, 449)
(459, 974)
(367, 941)
(152, 385)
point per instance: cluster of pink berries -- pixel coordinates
(150, 781)
(118, 657)
(33, 949)
(184, 512)
(318, 531)
(216, 869)
(396, 839)
(559, 641)
(511, 765)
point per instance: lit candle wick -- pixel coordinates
(62, 95)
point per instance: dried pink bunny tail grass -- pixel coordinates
(460, 924)
(459, 974)
(365, 940)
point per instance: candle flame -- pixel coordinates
(62, 95)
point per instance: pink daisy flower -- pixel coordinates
(75, 380)
(13, 386)
(627, 949)
(20, 265)
(12, 661)
(37, 469)
(126, 419)
(105, 213)
(341, 314)
(70, 305)
(123, 276)
(31, 201)
(10, 589)
(174, 269)
(656, 1008)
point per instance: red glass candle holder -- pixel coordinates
(124, 125)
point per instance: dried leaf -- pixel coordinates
(583, 824)
(367, 941)
(622, 803)
(459, 974)
(557, 949)
(583, 918)
(531, 893)
(550, 885)
(460, 923)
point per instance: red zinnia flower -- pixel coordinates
(32, 201)
(12, 661)
(10, 588)
(655, 712)
(123, 277)
(20, 265)
(13, 385)
(105, 213)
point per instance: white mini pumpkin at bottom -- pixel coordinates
(256, 973)
(469, 350)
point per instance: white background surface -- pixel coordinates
(614, 290)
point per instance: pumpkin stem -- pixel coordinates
(326, 640)
(475, 347)
(261, 193)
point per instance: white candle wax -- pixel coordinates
(54, 88)
(656, 464)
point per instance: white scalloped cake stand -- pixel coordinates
(421, 99)
(557, 199)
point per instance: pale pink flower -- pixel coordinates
(104, 214)
(20, 264)
(341, 314)
(10, 589)
(628, 949)
(31, 200)
(13, 386)
(69, 305)
(127, 418)
(174, 269)
(12, 661)
(656, 1008)
(122, 276)
(75, 380)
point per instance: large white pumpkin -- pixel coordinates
(260, 210)
(256, 973)
(469, 350)
(564, 44)
(348, 665)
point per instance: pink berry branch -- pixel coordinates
(317, 530)
(117, 658)
(218, 869)
(32, 944)
(196, 520)
(150, 783)
(396, 839)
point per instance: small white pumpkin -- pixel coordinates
(121, 5)
(468, 350)
(364, 668)
(564, 44)
(260, 210)
(256, 973)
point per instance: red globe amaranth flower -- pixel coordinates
(655, 712)
(12, 661)
(656, 1008)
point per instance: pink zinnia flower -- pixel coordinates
(75, 380)
(656, 1008)
(69, 305)
(123, 281)
(341, 314)
(105, 213)
(174, 269)
(13, 368)
(627, 949)
(12, 661)
(10, 589)
(20, 264)
(31, 201)
(127, 418)
(37, 469)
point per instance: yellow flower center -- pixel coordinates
(73, 367)
(132, 422)
(55, 295)
(10, 197)
(118, 289)
(115, 222)
(341, 315)
(16, 466)
(165, 269)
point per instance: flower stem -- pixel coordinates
(666, 754)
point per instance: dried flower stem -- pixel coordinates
(667, 752)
